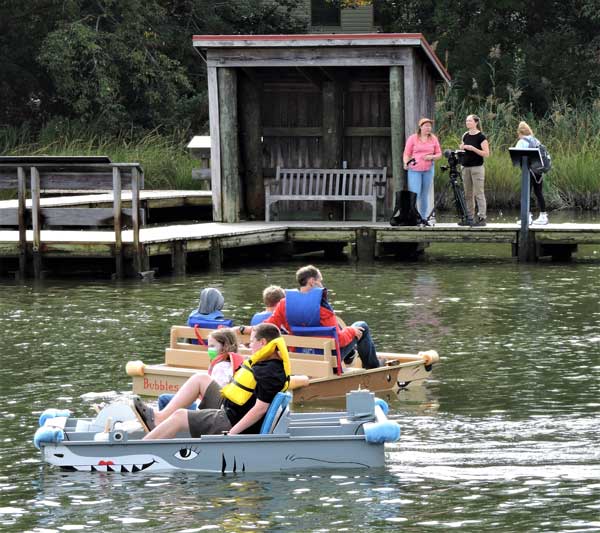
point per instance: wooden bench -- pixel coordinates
(365, 185)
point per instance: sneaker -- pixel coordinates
(542, 220)
(479, 223)
(349, 359)
(465, 222)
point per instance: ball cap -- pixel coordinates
(424, 121)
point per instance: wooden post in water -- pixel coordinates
(36, 223)
(397, 125)
(138, 258)
(21, 210)
(251, 148)
(228, 123)
(215, 255)
(525, 246)
(117, 221)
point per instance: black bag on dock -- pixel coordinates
(405, 210)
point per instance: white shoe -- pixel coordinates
(542, 220)
(530, 219)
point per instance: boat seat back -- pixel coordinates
(320, 331)
(275, 420)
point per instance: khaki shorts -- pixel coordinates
(209, 418)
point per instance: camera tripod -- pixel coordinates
(454, 183)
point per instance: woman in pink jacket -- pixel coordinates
(421, 150)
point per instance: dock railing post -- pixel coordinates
(36, 222)
(21, 211)
(135, 217)
(117, 221)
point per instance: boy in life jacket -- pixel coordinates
(271, 296)
(239, 407)
(308, 306)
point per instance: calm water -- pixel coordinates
(503, 438)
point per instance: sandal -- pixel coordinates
(144, 413)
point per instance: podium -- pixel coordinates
(526, 158)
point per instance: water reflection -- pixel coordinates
(504, 437)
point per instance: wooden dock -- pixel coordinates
(175, 248)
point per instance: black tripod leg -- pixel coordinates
(459, 201)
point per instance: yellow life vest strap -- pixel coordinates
(267, 351)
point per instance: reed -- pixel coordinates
(572, 136)
(164, 158)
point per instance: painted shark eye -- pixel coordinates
(186, 454)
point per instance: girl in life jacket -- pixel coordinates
(224, 362)
(222, 352)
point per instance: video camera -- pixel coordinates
(455, 158)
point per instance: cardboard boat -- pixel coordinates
(315, 376)
(112, 441)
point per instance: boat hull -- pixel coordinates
(390, 379)
(266, 453)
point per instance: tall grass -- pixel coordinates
(164, 157)
(572, 136)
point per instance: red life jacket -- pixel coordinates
(235, 358)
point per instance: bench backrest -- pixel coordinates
(357, 183)
(182, 354)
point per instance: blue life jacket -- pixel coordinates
(211, 320)
(303, 314)
(303, 308)
(259, 318)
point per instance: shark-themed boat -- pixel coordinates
(112, 441)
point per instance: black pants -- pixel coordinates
(537, 183)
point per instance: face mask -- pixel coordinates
(212, 353)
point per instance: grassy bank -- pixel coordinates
(571, 135)
(165, 159)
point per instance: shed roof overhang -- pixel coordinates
(371, 49)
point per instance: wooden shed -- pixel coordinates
(311, 101)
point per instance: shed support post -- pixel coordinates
(397, 125)
(251, 147)
(215, 143)
(228, 123)
(333, 130)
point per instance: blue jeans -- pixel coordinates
(365, 347)
(421, 182)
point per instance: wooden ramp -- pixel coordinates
(176, 244)
(151, 199)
